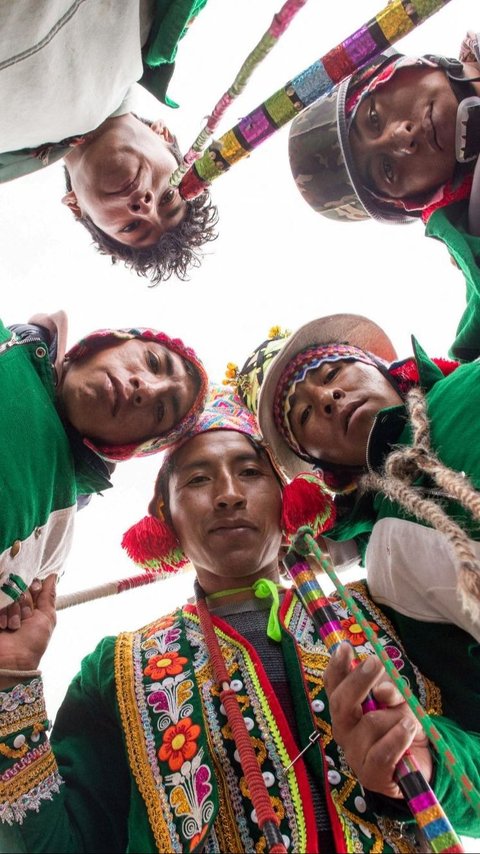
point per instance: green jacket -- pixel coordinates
(40, 477)
(113, 778)
(170, 23)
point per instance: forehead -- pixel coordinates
(212, 445)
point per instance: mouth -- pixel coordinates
(431, 130)
(234, 526)
(116, 395)
(349, 411)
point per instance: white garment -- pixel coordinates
(66, 66)
(411, 568)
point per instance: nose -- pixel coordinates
(404, 138)
(141, 202)
(328, 399)
(145, 392)
(229, 494)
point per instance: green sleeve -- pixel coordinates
(465, 747)
(450, 225)
(90, 811)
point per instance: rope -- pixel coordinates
(279, 24)
(404, 466)
(266, 817)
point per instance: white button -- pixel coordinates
(35, 736)
(236, 685)
(236, 756)
(249, 723)
(365, 830)
(360, 804)
(269, 778)
(19, 741)
(318, 705)
(253, 816)
(330, 760)
(222, 709)
(286, 841)
(334, 777)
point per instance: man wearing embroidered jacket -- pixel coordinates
(65, 418)
(67, 91)
(145, 752)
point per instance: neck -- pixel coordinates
(212, 583)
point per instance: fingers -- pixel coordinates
(46, 597)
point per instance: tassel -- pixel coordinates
(153, 545)
(307, 501)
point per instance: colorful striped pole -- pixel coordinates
(419, 796)
(393, 22)
(110, 588)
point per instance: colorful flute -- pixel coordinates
(420, 798)
(393, 22)
(279, 24)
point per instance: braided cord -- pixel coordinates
(279, 24)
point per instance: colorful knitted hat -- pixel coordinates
(152, 542)
(106, 338)
(248, 380)
(322, 162)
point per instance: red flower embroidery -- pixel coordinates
(179, 743)
(168, 664)
(355, 633)
(195, 840)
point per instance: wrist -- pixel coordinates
(10, 677)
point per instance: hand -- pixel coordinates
(23, 649)
(373, 743)
(12, 616)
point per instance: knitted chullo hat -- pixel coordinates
(103, 338)
(152, 543)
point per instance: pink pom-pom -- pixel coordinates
(306, 501)
(153, 545)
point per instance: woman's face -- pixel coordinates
(333, 409)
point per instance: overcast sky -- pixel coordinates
(275, 262)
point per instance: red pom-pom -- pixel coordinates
(306, 501)
(153, 545)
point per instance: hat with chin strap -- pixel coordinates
(103, 338)
(321, 158)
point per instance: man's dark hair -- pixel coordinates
(175, 251)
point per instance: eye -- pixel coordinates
(373, 115)
(130, 227)
(197, 479)
(251, 471)
(388, 172)
(168, 196)
(153, 361)
(331, 374)
(305, 415)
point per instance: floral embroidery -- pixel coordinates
(179, 743)
(191, 788)
(395, 655)
(168, 664)
(354, 631)
(170, 699)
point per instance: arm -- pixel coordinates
(72, 794)
(374, 742)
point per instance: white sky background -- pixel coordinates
(275, 262)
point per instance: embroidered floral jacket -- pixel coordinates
(141, 757)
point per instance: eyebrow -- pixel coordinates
(240, 458)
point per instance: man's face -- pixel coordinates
(128, 392)
(333, 409)
(403, 134)
(120, 180)
(225, 505)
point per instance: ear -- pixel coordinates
(161, 129)
(70, 200)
